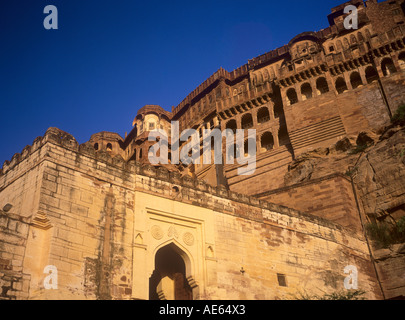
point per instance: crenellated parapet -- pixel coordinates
(327, 53)
(52, 134)
(160, 181)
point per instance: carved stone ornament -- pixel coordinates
(188, 239)
(157, 232)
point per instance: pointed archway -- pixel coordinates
(169, 279)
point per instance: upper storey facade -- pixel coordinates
(309, 93)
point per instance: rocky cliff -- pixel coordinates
(375, 163)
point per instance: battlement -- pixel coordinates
(218, 75)
(161, 181)
(281, 60)
(102, 215)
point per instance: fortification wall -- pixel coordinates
(14, 281)
(101, 220)
(330, 197)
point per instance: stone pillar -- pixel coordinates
(271, 110)
(330, 82)
(37, 251)
(347, 80)
(276, 139)
(297, 88)
(312, 82)
(254, 117)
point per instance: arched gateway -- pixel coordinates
(169, 279)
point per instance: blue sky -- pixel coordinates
(110, 58)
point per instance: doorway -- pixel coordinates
(168, 281)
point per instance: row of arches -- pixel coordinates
(370, 75)
(109, 147)
(265, 143)
(306, 91)
(353, 39)
(263, 115)
(137, 154)
(262, 76)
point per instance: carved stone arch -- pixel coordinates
(387, 66)
(368, 34)
(210, 252)
(182, 251)
(292, 96)
(254, 79)
(306, 91)
(360, 37)
(272, 73)
(322, 85)
(266, 141)
(139, 239)
(247, 121)
(266, 75)
(346, 43)
(341, 85)
(232, 125)
(189, 270)
(355, 79)
(339, 45)
(371, 74)
(263, 115)
(353, 39)
(260, 78)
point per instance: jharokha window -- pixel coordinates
(263, 115)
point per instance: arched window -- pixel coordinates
(272, 73)
(259, 79)
(371, 74)
(247, 121)
(360, 37)
(346, 43)
(322, 86)
(252, 144)
(266, 75)
(355, 80)
(401, 60)
(292, 96)
(306, 91)
(388, 67)
(109, 147)
(341, 85)
(267, 142)
(263, 115)
(353, 39)
(140, 153)
(96, 146)
(231, 124)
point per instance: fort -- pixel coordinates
(191, 152)
(329, 162)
